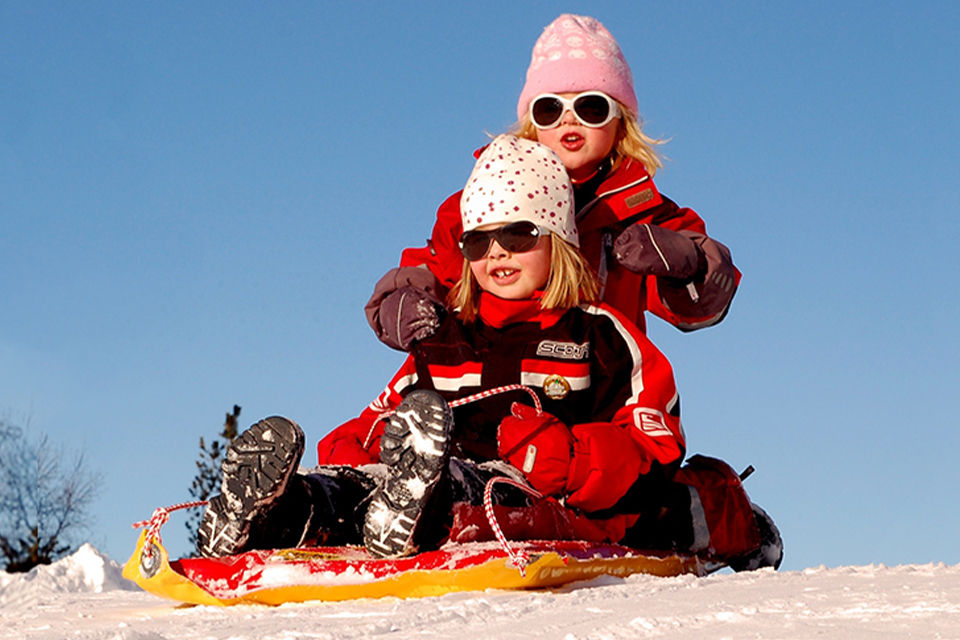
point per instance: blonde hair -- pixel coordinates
(631, 142)
(571, 283)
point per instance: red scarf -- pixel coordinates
(499, 312)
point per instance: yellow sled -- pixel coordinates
(343, 573)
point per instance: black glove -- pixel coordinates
(651, 249)
(408, 314)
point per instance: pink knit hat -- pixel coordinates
(577, 53)
(518, 179)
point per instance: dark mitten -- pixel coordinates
(653, 250)
(539, 445)
(408, 314)
(405, 306)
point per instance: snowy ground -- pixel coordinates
(84, 597)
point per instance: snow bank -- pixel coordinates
(83, 597)
(85, 571)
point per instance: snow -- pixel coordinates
(84, 597)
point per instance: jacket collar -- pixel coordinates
(498, 312)
(626, 190)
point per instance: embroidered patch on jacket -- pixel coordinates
(455, 377)
(639, 198)
(567, 350)
(651, 422)
(575, 376)
(556, 387)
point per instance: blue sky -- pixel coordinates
(197, 198)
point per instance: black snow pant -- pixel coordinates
(327, 506)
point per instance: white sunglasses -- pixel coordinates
(592, 108)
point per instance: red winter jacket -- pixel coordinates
(627, 195)
(613, 381)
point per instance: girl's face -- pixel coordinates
(581, 148)
(513, 276)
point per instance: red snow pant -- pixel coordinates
(713, 519)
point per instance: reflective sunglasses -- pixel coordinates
(515, 237)
(592, 109)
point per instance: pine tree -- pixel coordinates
(207, 481)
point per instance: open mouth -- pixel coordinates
(572, 141)
(505, 276)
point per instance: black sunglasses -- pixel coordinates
(515, 237)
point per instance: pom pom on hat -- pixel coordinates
(518, 179)
(577, 53)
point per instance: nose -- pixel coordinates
(568, 117)
(496, 251)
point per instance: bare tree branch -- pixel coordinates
(44, 499)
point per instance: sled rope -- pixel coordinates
(466, 400)
(158, 519)
(521, 559)
(495, 391)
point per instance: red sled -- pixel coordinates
(343, 573)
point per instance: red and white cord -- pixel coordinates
(158, 519)
(504, 389)
(462, 401)
(518, 559)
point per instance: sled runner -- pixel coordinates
(343, 573)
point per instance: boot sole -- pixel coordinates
(256, 469)
(415, 446)
(220, 534)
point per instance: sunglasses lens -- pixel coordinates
(592, 109)
(546, 111)
(518, 237)
(474, 244)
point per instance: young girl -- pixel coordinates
(649, 254)
(608, 442)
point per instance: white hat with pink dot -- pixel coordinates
(518, 179)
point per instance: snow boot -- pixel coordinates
(256, 470)
(415, 447)
(770, 552)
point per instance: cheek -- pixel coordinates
(479, 269)
(544, 275)
(604, 138)
(549, 138)
(537, 265)
(609, 136)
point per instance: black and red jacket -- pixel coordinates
(617, 379)
(587, 365)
